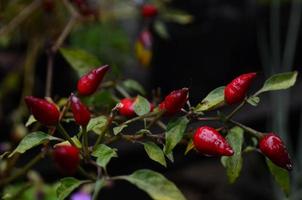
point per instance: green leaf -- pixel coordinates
(97, 124)
(233, 163)
(175, 132)
(253, 100)
(99, 184)
(190, 146)
(178, 16)
(161, 29)
(155, 153)
(141, 106)
(30, 121)
(103, 99)
(279, 82)
(155, 185)
(81, 61)
(170, 156)
(118, 129)
(133, 85)
(66, 186)
(104, 154)
(31, 140)
(281, 176)
(213, 100)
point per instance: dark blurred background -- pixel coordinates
(225, 39)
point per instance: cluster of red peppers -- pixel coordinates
(206, 140)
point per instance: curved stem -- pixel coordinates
(253, 132)
(24, 169)
(65, 134)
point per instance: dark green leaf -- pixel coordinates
(190, 146)
(281, 176)
(279, 82)
(80, 60)
(213, 100)
(66, 186)
(175, 132)
(141, 106)
(133, 85)
(99, 184)
(233, 163)
(97, 124)
(118, 129)
(253, 100)
(155, 185)
(155, 153)
(31, 140)
(104, 154)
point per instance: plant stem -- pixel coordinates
(102, 134)
(72, 21)
(65, 134)
(122, 91)
(22, 171)
(151, 114)
(16, 21)
(155, 119)
(253, 132)
(49, 74)
(235, 110)
(85, 141)
(86, 174)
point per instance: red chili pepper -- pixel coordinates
(45, 112)
(126, 107)
(67, 158)
(272, 146)
(175, 101)
(90, 82)
(209, 142)
(80, 112)
(236, 90)
(149, 10)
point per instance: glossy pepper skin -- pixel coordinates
(126, 107)
(149, 10)
(67, 158)
(175, 101)
(45, 112)
(90, 82)
(236, 90)
(209, 142)
(272, 146)
(80, 112)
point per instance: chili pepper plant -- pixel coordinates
(106, 111)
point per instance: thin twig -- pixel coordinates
(16, 21)
(49, 74)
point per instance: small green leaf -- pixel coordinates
(281, 176)
(155, 153)
(66, 186)
(133, 85)
(279, 82)
(81, 61)
(155, 185)
(99, 184)
(104, 154)
(30, 121)
(31, 140)
(118, 129)
(141, 106)
(170, 156)
(190, 146)
(213, 100)
(178, 16)
(253, 100)
(97, 124)
(175, 132)
(161, 29)
(233, 163)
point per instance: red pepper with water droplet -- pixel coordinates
(45, 112)
(209, 142)
(273, 147)
(80, 112)
(236, 90)
(175, 101)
